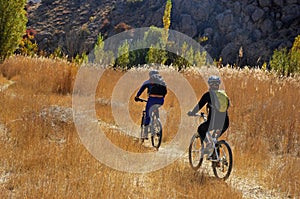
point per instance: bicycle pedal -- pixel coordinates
(216, 164)
(211, 158)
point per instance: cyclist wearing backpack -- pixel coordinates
(217, 104)
(157, 90)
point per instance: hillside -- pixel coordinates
(257, 27)
(44, 156)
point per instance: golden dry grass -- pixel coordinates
(45, 159)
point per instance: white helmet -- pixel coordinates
(214, 80)
(153, 72)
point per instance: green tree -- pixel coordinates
(153, 36)
(167, 21)
(12, 26)
(181, 60)
(295, 55)
(280, 61)
(190, 56)
(27, 45)
(138, 56)
(286, 62)
(156, 55)
(200, 58)
(100, 56)
(99, 49)
(123, 55)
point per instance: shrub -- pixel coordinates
(123, 55)
(287, 63)
(28, 45)
(13, 26)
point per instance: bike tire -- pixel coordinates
(195, 148)
(156, 135)
(223, 167)
(142, 125)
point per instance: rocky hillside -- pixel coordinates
(256, 26)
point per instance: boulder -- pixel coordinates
(264, 3)
(290, 13)
(267, 26)
(257, 14)
(187, 25)
(230, 52)
(225, 21)
(279, 3)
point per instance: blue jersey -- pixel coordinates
(153, 88)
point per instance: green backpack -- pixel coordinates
(219, 100)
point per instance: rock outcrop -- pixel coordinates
(257, 27)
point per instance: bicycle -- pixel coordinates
(218, 152)
(155, 126)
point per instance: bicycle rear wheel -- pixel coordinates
(223, 167)
(156, 133)
(195, 150)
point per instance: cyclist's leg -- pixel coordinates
(202, 129)
(149, 104)
(155, 104)
(147, 116)
(225, 126)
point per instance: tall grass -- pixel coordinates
(265, 126)
(43, 158)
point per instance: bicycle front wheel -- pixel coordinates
(223, 167)
(156, 133)
(195, 152)
(142, 127)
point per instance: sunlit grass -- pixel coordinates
(42, 157)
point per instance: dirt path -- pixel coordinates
(4, 84)
(249, 187)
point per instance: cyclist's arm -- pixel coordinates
(204, 100)
(141, 90)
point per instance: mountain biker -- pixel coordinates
(156, 90)
(216, 119)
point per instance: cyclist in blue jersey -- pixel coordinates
(156, 90)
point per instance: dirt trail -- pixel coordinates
(5, 84)
(249, 187)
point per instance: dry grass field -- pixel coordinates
(42, 155)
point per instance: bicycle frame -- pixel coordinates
(211, 136)
(154, 112)
(155, 125)
(218, 152)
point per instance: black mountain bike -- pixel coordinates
(217, 152)
(155, 126)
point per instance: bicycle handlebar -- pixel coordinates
(202, 114)
(141, 100)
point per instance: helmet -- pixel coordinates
(214, 80)
(153, 72)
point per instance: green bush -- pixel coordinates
(287, 62)
(123, 55)
(12, 26)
